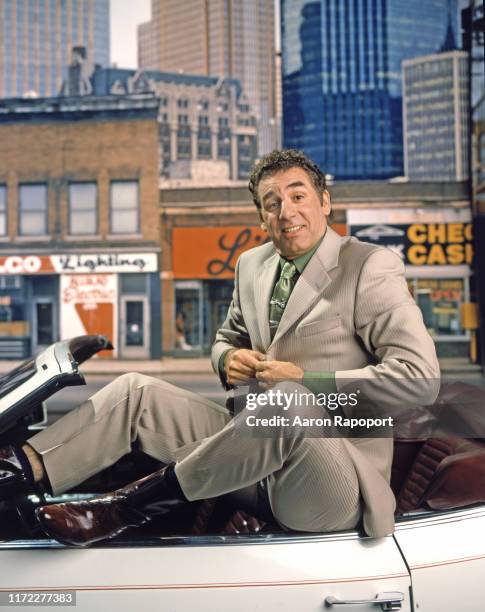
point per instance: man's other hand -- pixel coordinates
(271, 372)
(240, 365)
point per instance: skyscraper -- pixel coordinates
(342, 92)
(436, 116)
(221, 38)
(37, 37)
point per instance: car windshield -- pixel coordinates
(17, 376)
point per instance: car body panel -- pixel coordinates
(445, 554)
(204, 573)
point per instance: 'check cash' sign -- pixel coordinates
(422, 244)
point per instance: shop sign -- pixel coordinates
(422, 244)
(212, 252)
(79, 263)
(26, 264)
(89, 306)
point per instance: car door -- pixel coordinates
(237, 573)
(445, 553)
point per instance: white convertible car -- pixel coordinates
(435, 561)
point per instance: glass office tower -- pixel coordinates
(37, 37)
(342, 91)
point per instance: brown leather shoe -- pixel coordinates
(84, 522)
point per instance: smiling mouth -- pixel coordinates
(292, 230)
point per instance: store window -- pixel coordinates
(3, 210)
(33, 210)
(124, 207)
(10, 282)
(440, 302)
(134, 283)
(188, 315)
(12, 302)
(200, 310)
(83, 215)
(218, 299)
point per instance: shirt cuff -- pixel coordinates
(320, 382)
(220, 367)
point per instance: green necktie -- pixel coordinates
(281, 294)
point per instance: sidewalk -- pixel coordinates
(168, 365)
(459, 366)
(450, 366)
(156, 367)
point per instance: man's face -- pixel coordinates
(292, 212)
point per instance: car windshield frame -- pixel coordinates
(12, 379)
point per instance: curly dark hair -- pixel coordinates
(284, 159)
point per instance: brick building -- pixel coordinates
(79, 221)
(206, 125)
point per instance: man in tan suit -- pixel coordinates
(308, 307)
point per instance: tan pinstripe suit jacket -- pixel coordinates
(350, 313)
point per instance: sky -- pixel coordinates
(125, 16)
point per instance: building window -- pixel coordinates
(184, 147)
(3, 210)
(33, 210)
(440, 301)
(164, 148)
(11, 302)
(83, 214)
(188, 318)
(204, 143)
(124, 207)
(224, 143)
(183, 103)
(203, 105)
(247, 150)
(10, 282)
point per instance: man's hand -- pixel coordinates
(271, 372)
(240, 365)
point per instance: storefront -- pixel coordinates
(44, 298)
(204, 280)
(436, 248)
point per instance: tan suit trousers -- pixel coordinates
(311, 482)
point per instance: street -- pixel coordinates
(70, 397)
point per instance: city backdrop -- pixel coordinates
(127, 135)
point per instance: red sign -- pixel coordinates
(212, 252)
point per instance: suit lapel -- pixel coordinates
(265, 280)
(311, 283)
